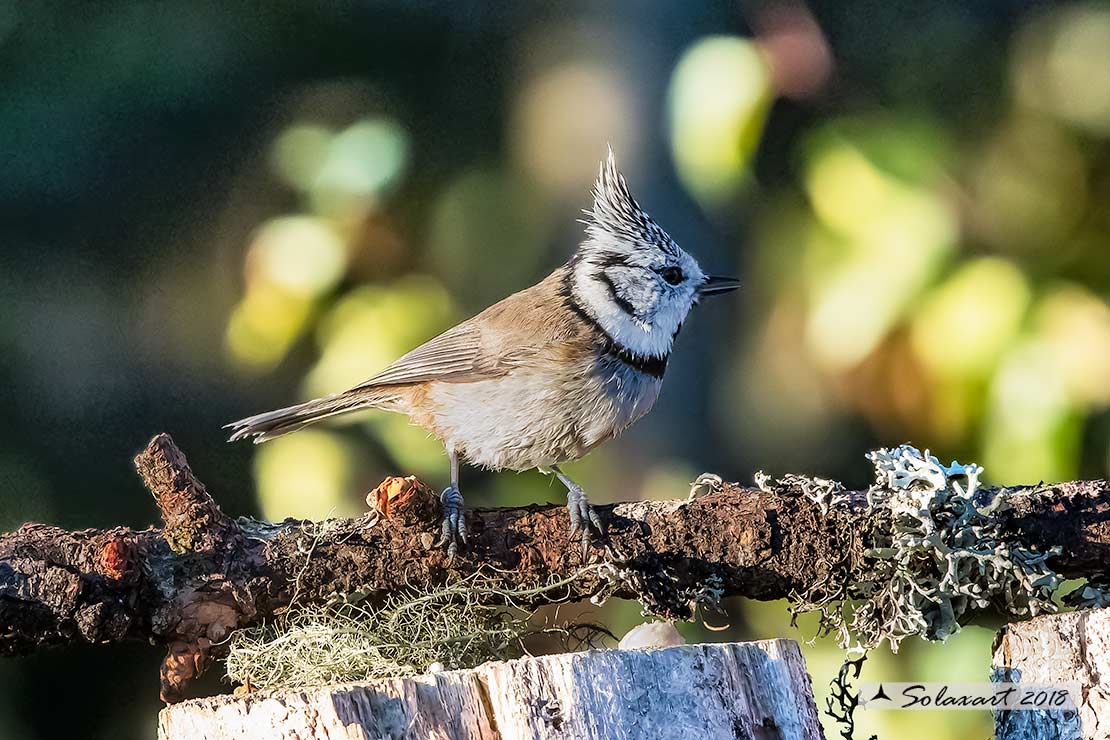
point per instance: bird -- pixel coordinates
(547, 374)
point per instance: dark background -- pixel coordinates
(208, 211)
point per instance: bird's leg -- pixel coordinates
(582, 515)
(454, 521)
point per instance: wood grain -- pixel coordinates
(754, 691)
(1057, 649)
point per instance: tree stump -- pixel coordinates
(757, 691)
(1057, 649)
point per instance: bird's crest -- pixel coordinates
(617, 223)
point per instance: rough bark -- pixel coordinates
(757, 691)
(189, 584)
(1057, 649)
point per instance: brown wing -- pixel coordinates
(510, 333)
(459, 355)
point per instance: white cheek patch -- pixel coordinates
(640, 337)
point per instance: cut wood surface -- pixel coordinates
(746, 691)
(1057, 649)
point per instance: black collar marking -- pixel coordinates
(653, 366)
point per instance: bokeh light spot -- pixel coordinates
(299, 153)
(719, 96)
(889, 237)
(414, 449)
(263, 326)
(565, 116)
(970, 319)
(305, 475)
(365, 158)
(1075, 324)
(1061, 67)
(374, 325)
(1032, 429)
(299, 254)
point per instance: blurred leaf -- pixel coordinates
(719, 96)
(1059, 66)
(307, 475)
(372, 326)
(968, 321)
(1032, 429)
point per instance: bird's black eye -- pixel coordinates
(672, 275)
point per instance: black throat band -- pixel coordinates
(648, 365)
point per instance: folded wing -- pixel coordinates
(456, 356)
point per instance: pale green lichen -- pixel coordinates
(822, 491)
(459, 625)
(937, 554)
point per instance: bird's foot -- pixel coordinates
(583, 518)
(453, 530)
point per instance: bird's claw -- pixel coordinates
(583, 518)
(453, 529)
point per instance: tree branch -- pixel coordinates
(189, 584)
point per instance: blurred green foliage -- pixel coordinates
(211, 211)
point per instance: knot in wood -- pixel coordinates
(408, 501)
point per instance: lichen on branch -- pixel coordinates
(937, 552)
(189, 585)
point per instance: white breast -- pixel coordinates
(540, 416)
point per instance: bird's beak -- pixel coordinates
(716, 285)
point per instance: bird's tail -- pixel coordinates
(267, 426)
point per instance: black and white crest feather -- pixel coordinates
(628, 276)
(617, 220)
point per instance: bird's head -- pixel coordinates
(630, 276)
